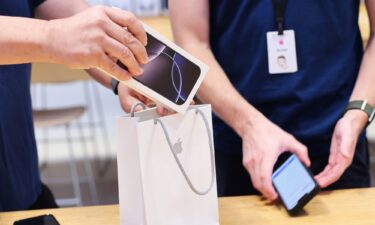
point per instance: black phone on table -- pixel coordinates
(295, 184)
(38, 220)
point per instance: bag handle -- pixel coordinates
(134, 106)
(209, 134)
(193, 188)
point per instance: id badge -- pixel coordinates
(282, 54)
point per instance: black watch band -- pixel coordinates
(363, 106)
(114, 85)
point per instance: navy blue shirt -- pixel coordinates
(20, 183)
(308, 103)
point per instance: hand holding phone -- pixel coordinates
(295, 184)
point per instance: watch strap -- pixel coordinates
(363, 106)
(114, 85)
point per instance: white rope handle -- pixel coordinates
(209, 134)
(188, 180)
(134, 106)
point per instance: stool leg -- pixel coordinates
(92, 125)
(43, 104)
(104, 131)
(88, 167)
(73, 167)
(46, 148)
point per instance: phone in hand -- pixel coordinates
(171, 77)
(39, 220)
(295, 184)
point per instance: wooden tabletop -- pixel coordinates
(344, 207)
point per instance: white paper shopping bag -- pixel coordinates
(166, 168)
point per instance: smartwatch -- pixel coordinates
(114, 85)
(363, 106)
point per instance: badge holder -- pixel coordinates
(281, 44)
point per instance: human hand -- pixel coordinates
(343, 145)
(129, 97)
(94, 37)
(263, 142)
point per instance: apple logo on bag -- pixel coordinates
(177, 147)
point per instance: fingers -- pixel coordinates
(337, 163)
(263, 173)
(126, 38)
(300, 150)
(124, 54)
(128, 20)
(127, 100)
(330, 174)
(255, 160)
(326, 177)
(265, 177)
(260, 170)
(163, 111)
(111, 67)
(249, 163)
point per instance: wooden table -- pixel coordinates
(345, 207)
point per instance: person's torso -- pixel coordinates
(19, 176)
(329, 50)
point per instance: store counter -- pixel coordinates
(344, 207)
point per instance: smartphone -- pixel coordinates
(39, 220)
(295, 184)
(171, 77)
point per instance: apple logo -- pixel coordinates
(177, 147)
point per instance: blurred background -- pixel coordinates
(139, 7)
(75, 120)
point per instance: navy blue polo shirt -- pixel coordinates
(20, 183)
(308, 103)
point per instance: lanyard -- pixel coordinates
(279, 8)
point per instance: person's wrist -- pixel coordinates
(357, 118)
(247, 121)
(48, 42)
(36, 43)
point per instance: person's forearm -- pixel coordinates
(22, 40)
(100, 77)
(218, 91)
(192, 33)
(364, 87)
(55, 9)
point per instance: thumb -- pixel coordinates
(300, 150)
